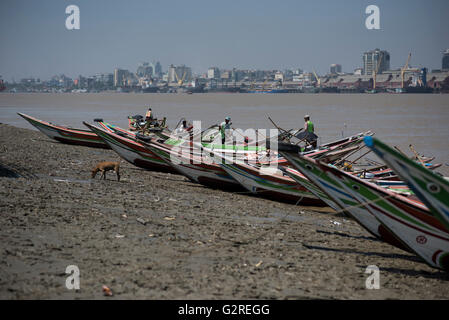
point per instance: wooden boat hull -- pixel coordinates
(345, 201)
(410, 221)
(266, 182)
(432, 189)
(131, 150)
(306, 183)
(66, 135)
(210, 175)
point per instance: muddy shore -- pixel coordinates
(158, 236)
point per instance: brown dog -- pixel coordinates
(106, 166)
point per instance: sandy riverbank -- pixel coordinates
(197, 243)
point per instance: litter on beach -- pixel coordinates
(107, 291)
(142, 221)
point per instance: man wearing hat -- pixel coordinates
(308, 125)
(226, 125)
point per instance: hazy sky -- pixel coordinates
(247, 34)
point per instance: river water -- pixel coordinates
(400, 120)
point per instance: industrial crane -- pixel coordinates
(318, 80)
(263, 84)
(180, 81)
(404, 69)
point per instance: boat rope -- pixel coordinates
(362, 204)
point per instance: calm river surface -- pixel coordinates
(401, 120)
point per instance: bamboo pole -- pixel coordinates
(352, 162)
(417, 155)
(350, 154)
(400, 151)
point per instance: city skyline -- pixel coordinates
(262, 35)
(157, 73)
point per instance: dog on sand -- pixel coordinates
(106, 166)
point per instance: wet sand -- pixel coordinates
(195, 242)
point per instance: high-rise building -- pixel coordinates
(227, 74)
(145, 70)
(158, 70)
(371, 61)
(335, 68)
(171, 74)
(445, 63)
(120, 77)
(237, 75)
(104, 79)
(82, 82)
(213, 73)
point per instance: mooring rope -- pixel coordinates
(362, 204)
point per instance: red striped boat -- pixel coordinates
(193, 167)
(66, 134)
(131, 150)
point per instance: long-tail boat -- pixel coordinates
(131, 150)
(409, 220)
(66, 134)
(337, 194)
(430, 187)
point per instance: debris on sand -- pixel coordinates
(107, 292)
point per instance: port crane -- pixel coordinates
(405, 68)
(264, 83)
(414, 70)
(318, 80)
(180, 81)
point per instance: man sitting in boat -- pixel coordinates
(225, 128)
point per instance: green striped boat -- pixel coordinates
(346, 202)
(409, 220)
(431, 188)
